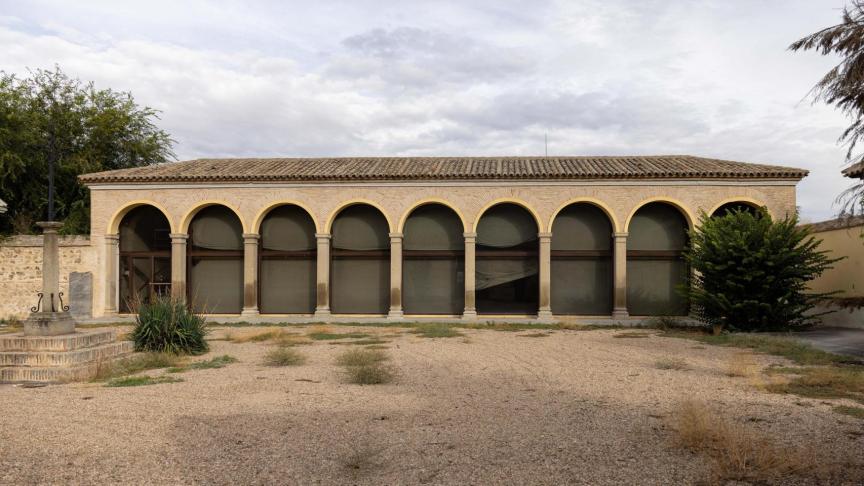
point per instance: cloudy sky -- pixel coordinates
(329, 78)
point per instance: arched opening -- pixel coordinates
(581, 261)
(287, 262)
(145, 257)
(507, 261)
(736, 206)
(215, 261)
(360, 269)
(433, 267)
(655, 263)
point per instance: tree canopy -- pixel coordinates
(843, 85)
(51, 116)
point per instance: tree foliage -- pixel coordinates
(843, 85)
(751, 272)
(50, 116)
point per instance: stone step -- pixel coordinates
(65, 342)
(22, 374)
(65, 358)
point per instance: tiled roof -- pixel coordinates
(835, 224)
(448, 168)
(855, 170)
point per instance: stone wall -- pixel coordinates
(21, 277)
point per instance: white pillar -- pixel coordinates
(619, 309)
(395, 276)
(322, 305)
(544, 313)
(250, 275)
(112, 256)
(470, 269)
(178, 265)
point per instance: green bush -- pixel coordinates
(168, 326)
(751, 272)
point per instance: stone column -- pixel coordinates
(112, 256)
(322, 306)
(619, 309)
(545, 311)
(178, 266)
(395, 277)
(51, 318)
(470, 269)
(250, 275)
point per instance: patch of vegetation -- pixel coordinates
(328, 336)
(824, 382)
(366, 366)
(436, 331)
(665, 323)
(535, 335)
(217, 362)
(742, 365)
(794, 350)
(141, 381)
(632, 334)
(856, 412)
(671, 364)
(361, 342)
(739, 453)
(284, 356)
(167, 325)
(136, 363)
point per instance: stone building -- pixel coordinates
(429, 237)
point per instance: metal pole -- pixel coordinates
(51, 188)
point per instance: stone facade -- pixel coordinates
(619, 199)
(21, 271)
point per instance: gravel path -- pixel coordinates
(574, 407)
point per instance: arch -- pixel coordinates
(746, 201)
(432, 200)
(685, 211)
(353, 202)
(505, 200)
(616, 227)
(144, 254)
(287, 261)
(581, 272)
(360, 261)
(117, 218)
(259, 218)
(187, 218)
(215, 256)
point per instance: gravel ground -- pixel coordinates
(573, 407)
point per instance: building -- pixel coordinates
(535, 237)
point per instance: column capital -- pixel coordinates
(622, 234)
(178, 237)
(545, 235)
(470, 236)
(323, 236)
(396, 236)
(113, 238)
(247, 237)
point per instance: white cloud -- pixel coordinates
(437, 78)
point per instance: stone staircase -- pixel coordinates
(63, 358)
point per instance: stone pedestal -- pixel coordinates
(49, 324)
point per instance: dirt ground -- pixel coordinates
(567, 407)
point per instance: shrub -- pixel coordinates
(167, 325)
(366, 367)
(283, 357)
(751, 272)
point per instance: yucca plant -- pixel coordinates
(167, 325)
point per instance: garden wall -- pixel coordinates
(843, 237)
(21, 277)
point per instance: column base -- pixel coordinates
(49, 324)
(620, 313)
(322, 314)
(395, 315)
(250, 312)
(469, 315)
(544, 315)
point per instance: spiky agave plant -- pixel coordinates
(167, 325)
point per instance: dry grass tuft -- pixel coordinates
(856, 412)
(106, 370)
(671, 364)
(257, 336)
(740, 453)
(284, 356)
(823, 382)
(632, 334)
(742, 365)
(361, 357)
(366, 366)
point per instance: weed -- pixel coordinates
(217, 362)
(283, 356)
(534, 334)
(789, 348)
(824, 382)
(856, 412)
(436, 331)
(366, 366)
(106, 370)
(361, 342)
(361, 357)
(742, 365)
(671, 364)
(632, 334)
(141, 381)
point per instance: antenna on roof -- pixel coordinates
(546, 143)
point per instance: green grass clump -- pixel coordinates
(796, 351)
(436, 331)
(141, 381)
(329, 336)
(856, 412)
(167, 325)
(671, 364)
(824, 382)
(284, 356)
(366, 366)
(134, 364)
(217, 362)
